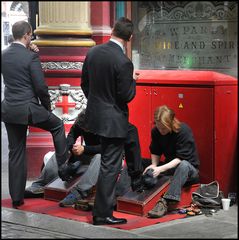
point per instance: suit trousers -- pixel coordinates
(55, 126)
(17, 134)
(111, 163)
(133, 153)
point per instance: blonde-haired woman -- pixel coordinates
(174, 140)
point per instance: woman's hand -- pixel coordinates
(156, 170)
(150, 166)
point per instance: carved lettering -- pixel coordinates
(191, 35)
(193, 60)
(198, 30)
(223, 45)
(174, 31)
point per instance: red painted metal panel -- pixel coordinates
(184, 77)
(140, 114)
(63, 51)
(101, 39)
(67, 58)
(226, 137)
(61, 73)
(37, 146)
(102, 18)
(56, 81)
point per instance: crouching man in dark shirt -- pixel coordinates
(174, 140)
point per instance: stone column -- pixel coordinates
(64, 24)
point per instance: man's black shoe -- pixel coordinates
(137, 184)
(36, 190)
(149, 180)
(16, 204)
(29, 194)
(108, 220)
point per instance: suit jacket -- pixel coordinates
(108, 84)
(26, 93)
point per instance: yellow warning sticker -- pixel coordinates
(180, 105)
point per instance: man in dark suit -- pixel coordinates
(109, 85)
(26, 102)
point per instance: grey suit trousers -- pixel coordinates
(89, 172)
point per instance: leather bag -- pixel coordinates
(208, 195)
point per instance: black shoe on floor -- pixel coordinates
(34, 191)
(29, 194)
(108, 220)
(16, 204)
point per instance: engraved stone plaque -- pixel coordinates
(198, 35)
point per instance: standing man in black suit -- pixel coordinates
(109, 85)
(26, 103)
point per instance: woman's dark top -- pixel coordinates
(175, 145)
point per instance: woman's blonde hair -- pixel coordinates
(166, 116)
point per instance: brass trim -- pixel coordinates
(47, 31)
(64, 43)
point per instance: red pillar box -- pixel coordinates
(207, 101)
